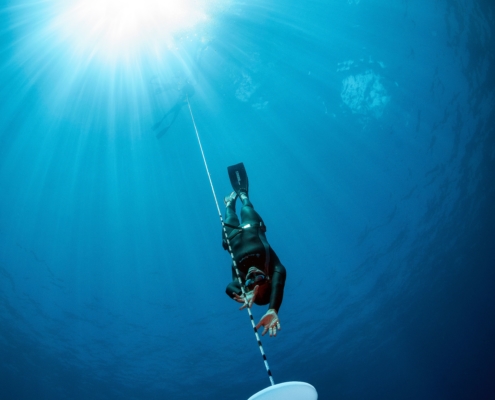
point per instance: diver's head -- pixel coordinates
(256, 277)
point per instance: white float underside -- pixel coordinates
(287, 391)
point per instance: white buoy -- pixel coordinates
(287, 391)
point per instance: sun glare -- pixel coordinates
(122, 27)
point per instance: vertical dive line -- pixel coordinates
(204, 158)
(238, 275)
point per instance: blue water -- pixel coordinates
(367, 129)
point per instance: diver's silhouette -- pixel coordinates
(186, 91)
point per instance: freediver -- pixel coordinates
(185, 92)
(261, 272)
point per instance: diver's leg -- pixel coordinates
(157, 125)
(230, 215)
(230, 219)
(248, 214)
(176, 110)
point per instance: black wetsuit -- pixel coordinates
(249, 251)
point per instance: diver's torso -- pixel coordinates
(248, 249)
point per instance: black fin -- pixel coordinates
(238, 178)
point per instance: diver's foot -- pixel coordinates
(243, 194)
(230, 198)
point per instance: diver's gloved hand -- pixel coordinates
(270, 322)
(249, 300)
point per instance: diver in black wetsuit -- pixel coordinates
(263, 277)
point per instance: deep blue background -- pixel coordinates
(367, 129)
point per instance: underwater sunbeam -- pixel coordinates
(116, 28)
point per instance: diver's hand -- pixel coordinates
(249, 300)
(270, 322)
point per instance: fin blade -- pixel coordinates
(238, 177)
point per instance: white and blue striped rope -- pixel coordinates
(230, 250)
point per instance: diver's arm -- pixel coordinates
(233, 289)
(278, 284)
(234, 292)
(247, 299)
